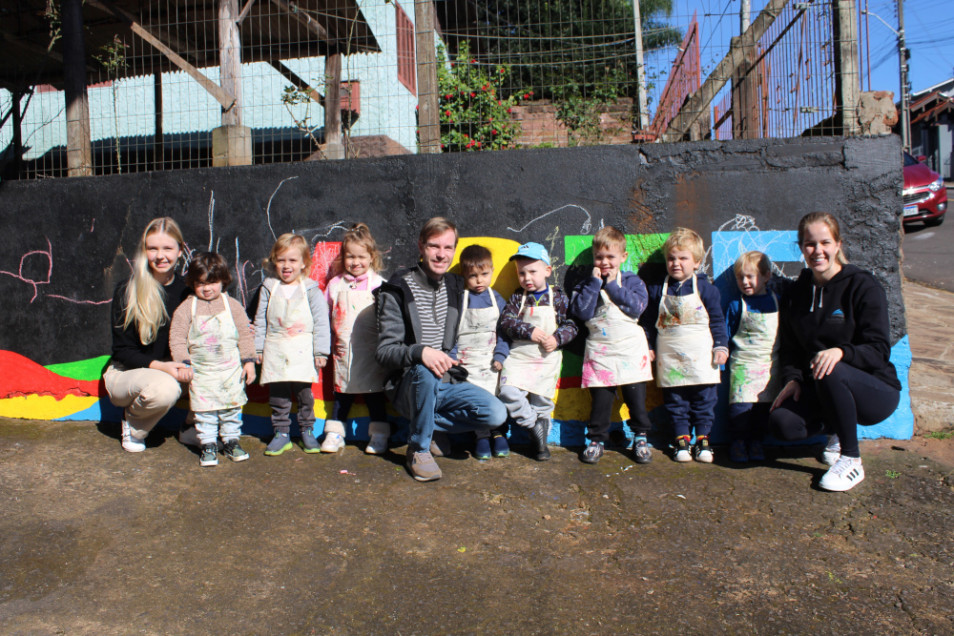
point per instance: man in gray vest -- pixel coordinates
(418, 314)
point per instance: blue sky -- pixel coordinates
(929, 28)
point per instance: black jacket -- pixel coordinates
(849, 312)
(128, 349)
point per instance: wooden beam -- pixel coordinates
(847, 75)
(429, 126)
(700, 100)
(222, 96)
(297, 81)
(230, 60)
(79, 156)
(244, 12)
(334, 148)
(303, 18)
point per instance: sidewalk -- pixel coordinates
(930, 321)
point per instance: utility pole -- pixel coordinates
(905, 95)
(744, 16)
(643, 103)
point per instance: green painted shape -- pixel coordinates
(572, 365)
(642, 248)
(89, 369)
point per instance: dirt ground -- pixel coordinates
(97, 541)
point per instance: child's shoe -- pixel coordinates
(279, 444)
(832, 451)
(209, 455)
(378, 444)
(440, 444)
(682, 449)
(642, 453)
(130, 443)
(592, 453)
(334, 437)
(844, 475)
(482, 449)
(308, 442)
(422, 466)
(703, 451)
(738, 453)
(538, 435)
(756, 452)
(501, 447)
(234, 452)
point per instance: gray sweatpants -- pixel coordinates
(280, 399)
(524, 407)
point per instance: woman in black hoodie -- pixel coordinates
(835, 346)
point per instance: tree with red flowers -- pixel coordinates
(473, 114)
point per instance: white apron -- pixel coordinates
(753, 365)
(476, 339)
(683, 341)
(616, 349)
(355, 324)
(529, 367)
(288, 355)
(216, 363)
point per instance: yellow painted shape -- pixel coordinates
(505, 274)
(44, 407)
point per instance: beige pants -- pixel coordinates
(145, 394)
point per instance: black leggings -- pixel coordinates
(634, 395)
(374, 401)
(836, 404)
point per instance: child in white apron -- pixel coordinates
(292, 340)
(355, 330)
(210, 333)
(752, 320)
(537, 324)
(478, 348)
(687, 332)
(616, 355)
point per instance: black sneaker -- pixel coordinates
(234, 452)
(641, 451)
(592, 453)
(500, 447)
(482, 449)
(209, 455)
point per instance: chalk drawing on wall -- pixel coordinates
(584, 229)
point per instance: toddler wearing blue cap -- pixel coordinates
(536, 322)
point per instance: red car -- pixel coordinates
(924, 194)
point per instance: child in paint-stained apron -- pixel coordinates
(293, 337)
(350, 297)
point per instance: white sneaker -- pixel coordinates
(844, 475)
(378, 444)
(683, 456)
(832, 451)
(130, 443)
(333, 443)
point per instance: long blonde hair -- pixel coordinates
(145, 296)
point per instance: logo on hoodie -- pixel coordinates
(837, 316)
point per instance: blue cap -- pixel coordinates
(533, 251)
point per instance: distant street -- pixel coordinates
(929, 252)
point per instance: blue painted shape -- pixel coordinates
(901, 423)
(781, 246)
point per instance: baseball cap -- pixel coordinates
(533, 251)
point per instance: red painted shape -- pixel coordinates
(321, 261)
(20, 376)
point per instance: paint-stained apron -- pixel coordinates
(288, 355)
(216, 363)
(529, 367)
(753, 365)
(616, 349)
(684, 342)
(355, 326)
(476, 339)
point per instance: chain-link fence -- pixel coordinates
(229, 82)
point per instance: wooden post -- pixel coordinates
(79, 160)
(334, 148)
(428, 121)
(230, 60)
(847, 76)
(158, 147)
(642, 102)
(745, 108)
(17, 131)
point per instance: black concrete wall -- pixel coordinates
(64, 243)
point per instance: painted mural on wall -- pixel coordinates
(57, 274)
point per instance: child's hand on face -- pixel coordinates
(321, 361)
(248, 372)
(496, 366)
(597, 273)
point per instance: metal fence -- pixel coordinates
(177, 84)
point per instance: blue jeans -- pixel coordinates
(691, 406)
(226, 422)
(451, 408)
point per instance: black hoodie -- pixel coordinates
(849, 312)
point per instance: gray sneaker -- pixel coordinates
(422, 466)
(592, 453)
(209, 455)
(641, 451)
(308, 441)
(233, 451)
(279, 444)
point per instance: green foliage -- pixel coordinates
(473, 115)
(940, 434)
(570, 43)
(112, 57)
(892, 474)
(581, 113)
